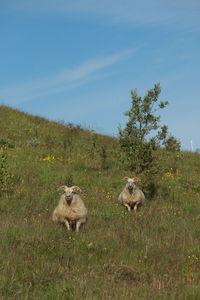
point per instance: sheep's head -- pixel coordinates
(70, 191)
(131, 183)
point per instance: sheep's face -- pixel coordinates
(130, 184)
(70, 192)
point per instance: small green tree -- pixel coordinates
(136, 138)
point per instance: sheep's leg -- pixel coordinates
(67, 225)
(135, 207)
(128, 207)
(78, 224)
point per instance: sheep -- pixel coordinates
(71, 209)
(131, 196)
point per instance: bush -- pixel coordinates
(6, 179)
(135, 138)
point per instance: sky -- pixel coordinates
(77, 61)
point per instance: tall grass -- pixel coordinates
(154, 254)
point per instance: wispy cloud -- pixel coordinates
(66, 79)
(138, 12)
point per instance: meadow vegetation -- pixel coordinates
(154, 254)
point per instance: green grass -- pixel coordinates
(154, 254)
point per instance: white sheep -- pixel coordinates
(131, 196)
(71, 209)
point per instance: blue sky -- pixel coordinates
(78, 60)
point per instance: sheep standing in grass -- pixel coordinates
(131, 196)
(71, 210)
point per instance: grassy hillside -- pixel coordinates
(154, 254)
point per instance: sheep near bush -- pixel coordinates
(131, 197)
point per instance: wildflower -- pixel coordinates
(169, 175)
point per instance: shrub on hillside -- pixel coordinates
(6, 178)
(134, 139)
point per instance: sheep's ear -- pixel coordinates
(62, 187)
(77, 189)
(136, 179)
(125, 178)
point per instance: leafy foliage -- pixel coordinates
(136, 139)
(172, 144)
